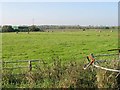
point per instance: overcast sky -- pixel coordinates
(59, 13)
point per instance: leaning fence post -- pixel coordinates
(30, 65)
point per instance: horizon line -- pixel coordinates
(55, 25)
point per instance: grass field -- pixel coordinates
(66, 45)
(70, 47)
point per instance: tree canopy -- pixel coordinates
(7, 28)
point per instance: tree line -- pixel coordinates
(9, 28)
(42, 28)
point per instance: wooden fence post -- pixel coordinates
(30, 65)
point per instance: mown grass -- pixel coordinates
(62, 51)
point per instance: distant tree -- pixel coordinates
(62, 27)
(7, 28)
(113, 27)
(107, 27)
(83, 29)
(34, 28)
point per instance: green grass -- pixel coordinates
(69, 47)
(66, 45)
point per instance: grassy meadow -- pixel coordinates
(66, 45)
(69, 47)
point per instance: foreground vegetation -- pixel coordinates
(63, 52)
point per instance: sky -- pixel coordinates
(59, 13)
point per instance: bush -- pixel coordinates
(34, 28)
(7, 28)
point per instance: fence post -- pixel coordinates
(30, 65)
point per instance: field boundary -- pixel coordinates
(30, 66)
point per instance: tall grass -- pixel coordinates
(56, 75)
(108, 79)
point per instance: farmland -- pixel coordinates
(67, 46)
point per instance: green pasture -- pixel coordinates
(65, 45)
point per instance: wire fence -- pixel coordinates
(29, 64)
(103, 60)
(107, 62)
(21, 72)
